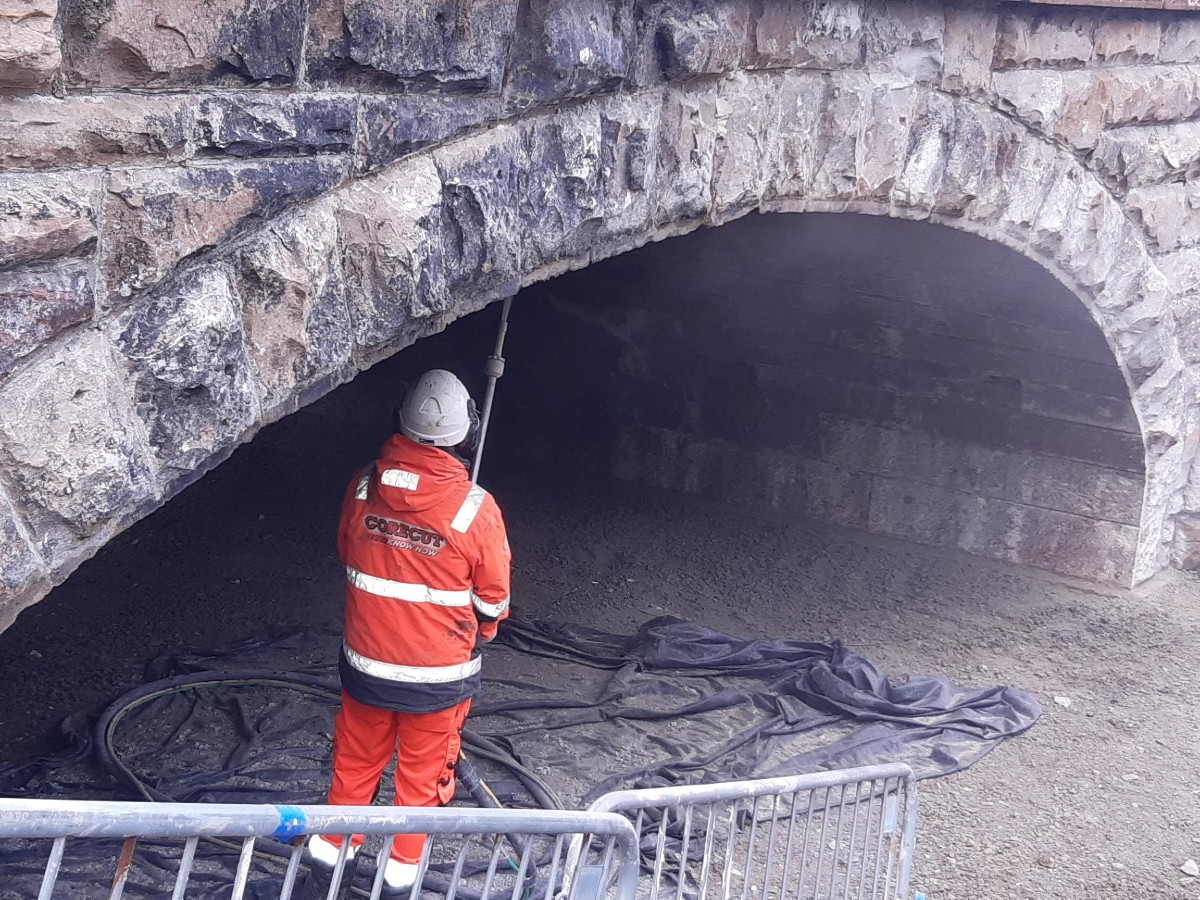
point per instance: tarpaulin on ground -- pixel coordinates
(588, 711)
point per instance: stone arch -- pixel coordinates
(247, 332)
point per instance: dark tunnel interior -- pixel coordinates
(885, 377)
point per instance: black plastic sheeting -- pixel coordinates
(588, 711)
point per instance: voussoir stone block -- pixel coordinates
(461, 42)
(683, 189)
(43, 132)
(29, 51)
(154, 217)
(481, 223)
(629, 126)
(130, 43)
(791, 161)
(390, 231)
(71, 448)
(184, 350)
(47, 215)
(38, 303)
(290, 284)
(560, 184)
(747, 116)
(23, 576)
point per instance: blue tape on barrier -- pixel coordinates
(291, 823)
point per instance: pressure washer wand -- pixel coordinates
(494, 369)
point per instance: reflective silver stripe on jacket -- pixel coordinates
(469, 509)
(490, 609)
(402, 590)
(411, 674)
(400, 478)
(364, 481)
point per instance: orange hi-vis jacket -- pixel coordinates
(427, 579)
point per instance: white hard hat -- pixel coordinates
(437, 410)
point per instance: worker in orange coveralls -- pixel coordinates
(427, 581)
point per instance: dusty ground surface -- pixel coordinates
(1100, 800)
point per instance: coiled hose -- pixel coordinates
(325, 689)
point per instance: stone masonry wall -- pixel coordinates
(212, 215)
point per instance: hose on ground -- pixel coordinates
(478, 745)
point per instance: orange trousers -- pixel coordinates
(426, 747)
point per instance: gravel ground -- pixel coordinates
(1100, 800)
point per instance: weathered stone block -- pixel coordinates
(560, 184)
(1059, 542)
(1042, 481)
(904, 37)
(1062, 39)
(747, 118)
(819, 35)
(968, 46)
(71, 448)
(1056, 402)
(791, 159)
(1180, 41)
(1124, 95)
(394, 126)
(44, 216)
(23, 576)
(978, 424)
(843, 125)
(297, 323)
(569, 48)
(697, 39)
(740, 476)
(1127, 39)
(1092, 234)
(629, 131)
(481, 232)
(1138, 156)
(193, 386)
(44, 132)
(128, 43)
(1181, 270)
(921, 128)
(685, 153)
(1185, 551)
(1035, 96)
(29, 51)
(156, 217)
(390, 230)
(453, 42)
(1170, 213)
(258, 125)
(970, 147)
(37, 304)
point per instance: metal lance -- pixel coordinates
(494, 370)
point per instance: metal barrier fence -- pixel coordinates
(468, 855)
(836, 835)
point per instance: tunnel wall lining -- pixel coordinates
(215, 296)
(875, 374)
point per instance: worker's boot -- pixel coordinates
(322, 857)
(399, 878)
